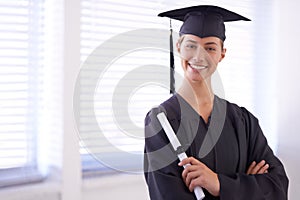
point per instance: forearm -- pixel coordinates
(268, 186)
(167, 187)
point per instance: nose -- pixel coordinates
(200, 55)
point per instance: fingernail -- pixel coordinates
(179, 163)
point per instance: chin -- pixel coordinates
(194, 78)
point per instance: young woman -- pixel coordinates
(229, 156)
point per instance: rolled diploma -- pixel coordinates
(175, 144)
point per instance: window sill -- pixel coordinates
(115, 186)
(46, 190)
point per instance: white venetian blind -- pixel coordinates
(121, 97)
(20, 60)
(115, 94)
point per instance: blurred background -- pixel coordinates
(73, 97)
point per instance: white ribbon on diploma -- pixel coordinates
(176, 144)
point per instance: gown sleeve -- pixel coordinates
(269, 186)
(162, 174)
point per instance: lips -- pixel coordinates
(198, 67)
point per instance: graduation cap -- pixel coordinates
(202, 21)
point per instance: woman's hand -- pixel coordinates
(198, 174)
(260, 168)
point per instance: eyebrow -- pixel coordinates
(209, 43)
(193, 41)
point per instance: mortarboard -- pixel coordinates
(202, 21)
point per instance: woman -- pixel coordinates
(229, 155)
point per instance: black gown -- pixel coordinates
(229, 153)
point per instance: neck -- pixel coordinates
(200, 92)
(199, 95)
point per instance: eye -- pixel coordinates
(211, 49)
(190, 46)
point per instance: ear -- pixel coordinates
(223, 54)
(178, 46)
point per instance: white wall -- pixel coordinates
(288, 58)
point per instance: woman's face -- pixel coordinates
(200, 56)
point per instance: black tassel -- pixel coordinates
(172, 66)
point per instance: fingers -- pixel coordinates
(259, 168)
(194, 175)
(191, 172)
(192, 169)
(189, 160)
(198, 174)
(189, 177)
(191, 166)
(251, 167)
(264, 168)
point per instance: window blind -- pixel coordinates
(21, 50)
(102, 25)
(99, 22)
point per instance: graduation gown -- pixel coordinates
(229, 153)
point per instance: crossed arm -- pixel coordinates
(261, 180)
(198, 174)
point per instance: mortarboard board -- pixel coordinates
(202, 21)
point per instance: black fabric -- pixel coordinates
(241, 142)
(204, 20)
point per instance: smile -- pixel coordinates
(198, 66)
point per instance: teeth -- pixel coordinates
(198, 67)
